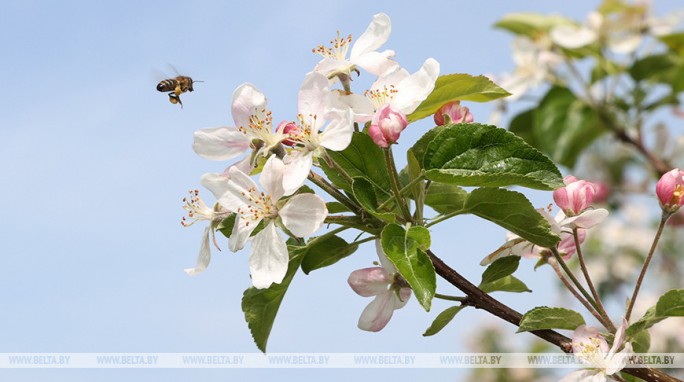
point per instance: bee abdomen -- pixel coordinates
(167, 85)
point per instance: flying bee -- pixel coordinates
(176, 86)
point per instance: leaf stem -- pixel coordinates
(394, 181)
(661, 226)
(450, 298)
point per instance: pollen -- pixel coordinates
(260, 123)
(338, 48)
(381, 96)
(259, 206)
(196, 208)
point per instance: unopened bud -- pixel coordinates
(575, 197)
(290, 129)
(387, 125)
(455, 112)
(670, 190)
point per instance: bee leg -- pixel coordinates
(174, 99)
(177, 91)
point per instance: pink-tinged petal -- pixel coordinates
(219, 143)
(297, 167)
(401, 300)
(376, 34)
(618, 361)
(586, 219)
(271, 178)
(584, 376)
(619, 338)
(313, 94)
(369, 281)
(413, 90)
(242, 230)
(378, 313)
(204, 256)
(236, 189)
(384, 261)
(587, 339)
(303, 214)
(377, 63)
(247, 101)
(269, 258)
(338, 133)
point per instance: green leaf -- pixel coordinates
(324, 251)
(671, 304)
(406, 250)
(370, 198)
(226, 225)
(362, 158)
(564, 126)
(336, 207)
(649, 319)
(674, 41)
(550, 318)
(420, 147)
(522, 126)
(442, 320)
(501, 268)
(483, 155)
(452, 87)
(511, 210)
(261, 305)
(446, 198)
(641, 341)
(506, 284)
(531, 24)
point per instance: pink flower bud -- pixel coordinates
(602, 192)
(290, 129)
(386, 126)
(455, 112)
(575, 197)
(670, 190)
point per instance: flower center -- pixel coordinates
(259, 125)
(259, 206)
(677, 195)
(338, 49)
(197, 210)
(380, 97)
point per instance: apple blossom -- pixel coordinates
(314, 112)
(535, 63)
(670, 190)
(575, 197)
(590, 347)
(455, 112)
(252, 129)
(363, 54)
(301, 214)
(386, 126)
(386, 285)
(288, 128)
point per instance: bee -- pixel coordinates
(176, 86)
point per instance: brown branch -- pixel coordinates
(481, 300)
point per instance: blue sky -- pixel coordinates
(94, 163)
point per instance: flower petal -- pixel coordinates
(219, 143)
(586, 219)
(238, 186)
(572, 37)
(271, 178)
(384, 261)
(369, 281)
(361, 106)
(376, 34)
(248, 101)
(297, 167)
(583, 376)
(242, 230)
(204, 256)
(377, 63)
(313, 94)
(414, 89)
(338, 133)
(303, 214)
(215, 182)
(269, 258)
(378, 313)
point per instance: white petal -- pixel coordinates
(303, 214)
(514, 246)
(414, 89)
(204, 256)
(269, 258)
(247, 101)
(242, 230)
(361, 106)
(338, 133)
(625, 44)
(572, 37)
(238, 186)
(297, 167)
(271, 178)
(369, 281)
(586, 219)
(313, 94)
(215, 182)
(376, 34)
(377, 63)
(378, 313)
(219, 143)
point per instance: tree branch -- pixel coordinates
(482, 300)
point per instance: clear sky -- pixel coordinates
(94, 163)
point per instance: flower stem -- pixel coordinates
(327, 187)
(572, 277)
(394, 180)
(585, 272)
(661, 226)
